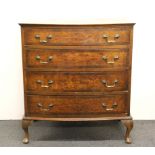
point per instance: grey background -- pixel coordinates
(77, 134)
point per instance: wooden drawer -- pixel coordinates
(107, 58)
(76, 104)
(77, 81)
(76, 36)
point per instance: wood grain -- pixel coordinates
(75, 36)
(74, 58)
(76, 104)
(77, 81)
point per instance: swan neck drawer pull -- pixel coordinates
(114, 106)
(42, 83)
(110, 62)
(110, 86)
(49, 59)
(40, 105)
(48, 37)
(106, 37)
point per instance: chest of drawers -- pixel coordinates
(77, 73)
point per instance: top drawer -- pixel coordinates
(75, 36)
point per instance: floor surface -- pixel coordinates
(77, 134)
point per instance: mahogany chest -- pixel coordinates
(77, 73)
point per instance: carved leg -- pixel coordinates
(25, 125)
(129, 125)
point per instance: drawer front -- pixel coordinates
(75, 36)
(108, 58)
(77, 81)
(76, 104)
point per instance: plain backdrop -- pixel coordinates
(13, 12)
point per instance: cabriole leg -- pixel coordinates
(129, 125)
(25, 125)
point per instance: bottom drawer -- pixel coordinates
(80, 104)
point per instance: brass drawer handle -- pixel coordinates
(106, 37)
(110, 62)
(37, 36)
(45, 109)
(114, 106)
(110, 86)
(44, 86)
(43, 41)
(44, 62)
